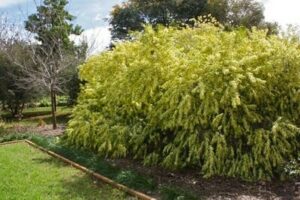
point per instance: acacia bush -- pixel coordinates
(225, 103)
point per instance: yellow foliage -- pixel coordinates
(227, 103)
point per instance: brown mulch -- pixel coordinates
(216, 188)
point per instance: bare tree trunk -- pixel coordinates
(53, 109)
(55, 102)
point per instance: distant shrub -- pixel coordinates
(2, 127)
(60, 101)
(227, 103)
(44, 102)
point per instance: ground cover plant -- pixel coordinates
(27, 173)
(225, 103)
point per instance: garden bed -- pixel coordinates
(28, 173)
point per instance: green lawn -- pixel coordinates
(38, 112)
(29, 174)
(32, 116)
(128, 177)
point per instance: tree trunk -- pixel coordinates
(53, 109)
(55, 102)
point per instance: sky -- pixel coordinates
(91, 15)
(282, 11)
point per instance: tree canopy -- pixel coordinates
(131, 16)
(52, 23)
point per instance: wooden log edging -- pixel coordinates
(11, 142)
(99, 177)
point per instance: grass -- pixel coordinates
(91, 160)
(96, 163)
(38, 112)
(27, 173)
(32, 116)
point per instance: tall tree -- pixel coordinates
(55, 53)
(131, 16)
(245, 13)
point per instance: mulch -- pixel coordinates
(217, 188)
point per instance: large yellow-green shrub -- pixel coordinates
(226, 103)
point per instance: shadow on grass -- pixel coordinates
(81, 186)
(92, 161)
(97, 164)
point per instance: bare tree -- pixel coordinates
(50, 54)
(46, 68)
(43, 67)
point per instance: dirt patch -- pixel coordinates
(45, 130)
(216, 188)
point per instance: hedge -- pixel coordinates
(225, 103)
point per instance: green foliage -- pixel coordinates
(2, 128)
(13, 92)
(245, 13)
(53, 21)
(73, 87)
(226, 103)
(44, 102)
(293, 168)
(60, 101)
(131, 16)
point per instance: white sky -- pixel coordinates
(5, 3)
(98, 39)
(283, 11)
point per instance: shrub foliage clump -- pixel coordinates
(226, 103)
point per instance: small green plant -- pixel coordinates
(293, 168)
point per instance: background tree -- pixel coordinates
(131, 16)
(55, 54)
(245, 13)
(13, 94)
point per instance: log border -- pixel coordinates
(95, 175)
